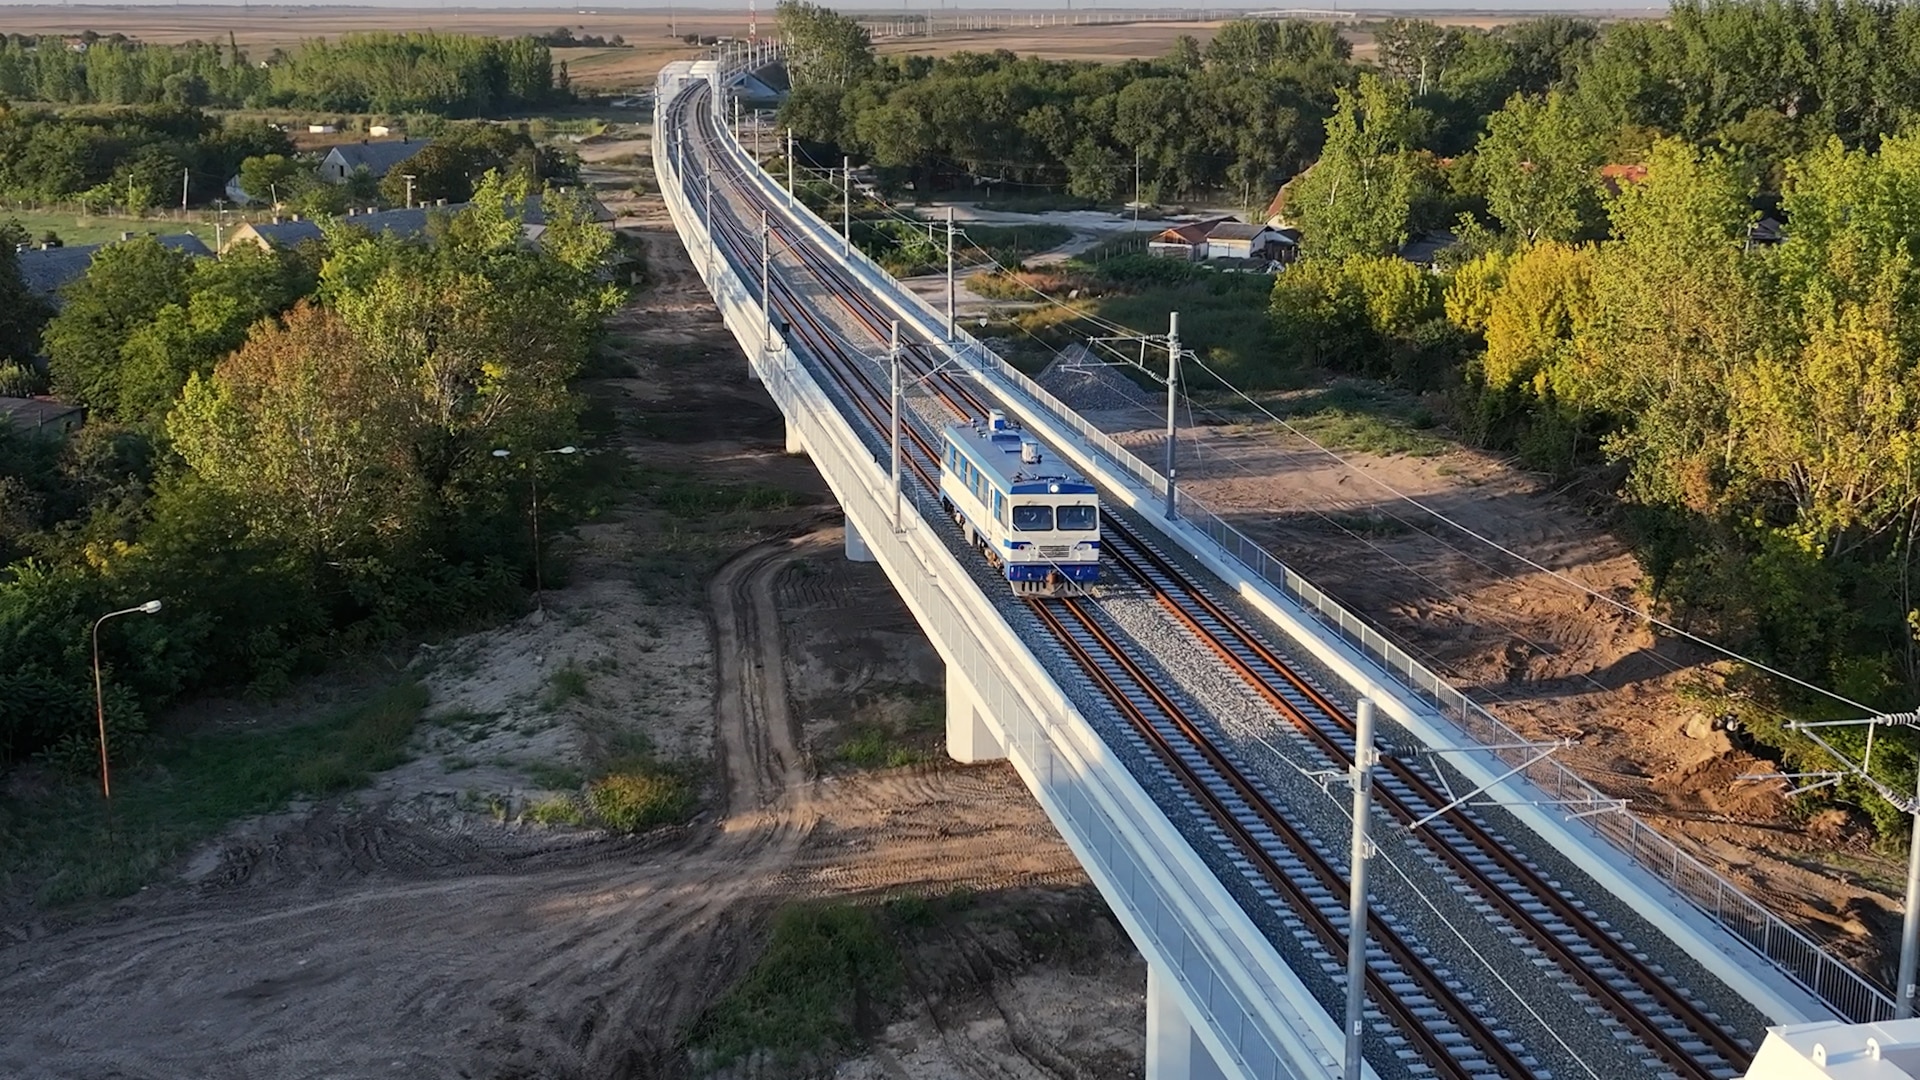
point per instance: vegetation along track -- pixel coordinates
(1676, 1031)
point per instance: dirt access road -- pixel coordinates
(408, 931)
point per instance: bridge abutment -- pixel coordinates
(1174, 1049)
(969, 740)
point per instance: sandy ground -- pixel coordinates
(423, 928)
(1550, 660)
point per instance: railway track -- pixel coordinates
(1677, 1037)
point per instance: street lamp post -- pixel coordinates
(533, 490)
(100, 697)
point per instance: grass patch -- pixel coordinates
(828, 972)
(1349, 416)
(76, 229)
(632, 790)
(687, 497)
(556, 810)
(880, 742)
(566, 684)
(554, 776)
(56, 844)
(905, 249)
(640, 799)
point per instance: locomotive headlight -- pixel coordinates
(1055, 488)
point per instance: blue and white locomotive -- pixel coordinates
(1036, 520)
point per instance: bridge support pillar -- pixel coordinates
(969, 740)
(793, 440)
(1174, 1049)
(857, 545)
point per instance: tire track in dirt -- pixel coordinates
(380, 941)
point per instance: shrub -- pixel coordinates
(629, 802)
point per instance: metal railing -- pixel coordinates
(1849, 993)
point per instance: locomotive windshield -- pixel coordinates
(1031, 518)
(1079, 518)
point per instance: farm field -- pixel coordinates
(650, 33)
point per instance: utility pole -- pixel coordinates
(846, 207)
(706, 179)
(183, 190)
(1136, 189)
(951, 336)
(1903, 990)
(766, 287)
(409, 178)
(1173, 398)
(219, 224)
(1362, 779)
(893, 361)
(793, 198)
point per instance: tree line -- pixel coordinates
(129, 157)
(447, 74)
(136, 158)
(1239, 116)
(294, 451)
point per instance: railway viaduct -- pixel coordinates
(1241, 920)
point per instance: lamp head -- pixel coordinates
(565, 450)
(151, 607)
(502, 453)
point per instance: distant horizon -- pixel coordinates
(863, 6)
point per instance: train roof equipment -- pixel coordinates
(1014, 461)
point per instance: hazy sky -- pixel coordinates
(898, 5)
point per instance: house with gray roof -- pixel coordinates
(378, 158)
(45, 269)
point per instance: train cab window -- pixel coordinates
(1079, 518)
(1032, 518)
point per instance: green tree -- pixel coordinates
(22, 313)
(823, 46)
(124, 289)
(1540, 169)
(274, 178)
(1358, 198)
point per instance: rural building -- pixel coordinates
(46, 269)
(1612, 177)
(322, 129)
(1766, 232)
(1186, 242)
(1241, 240)
(281, 234)
(379, 131)
(1424, 249)
(41, 416)
(378, 158)
(1276, 210)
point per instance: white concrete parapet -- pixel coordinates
(1888, 1050)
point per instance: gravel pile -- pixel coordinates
(1086, 384)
